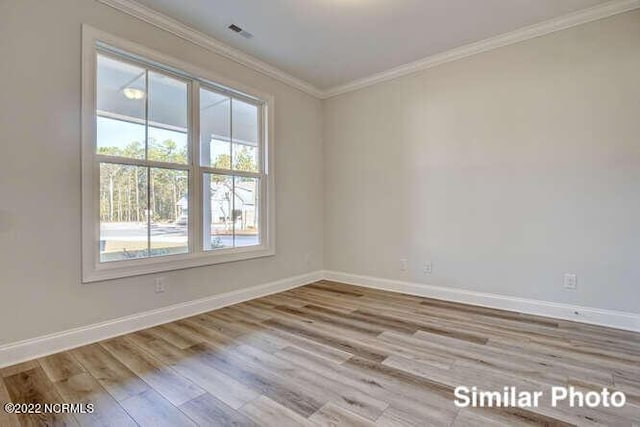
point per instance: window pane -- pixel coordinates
(247, 222)
(245, 136)
(231, 211)
(120, 101)
(245, 158)
(215, 129)
(123, 212)
(120, 138)
(218, 211)
(169, 212)
(168, 119)
(168, 146)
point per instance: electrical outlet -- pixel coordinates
(160, 282)
(404, 264)
(570, 281)
(427, 268)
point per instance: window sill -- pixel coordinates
(130, 268)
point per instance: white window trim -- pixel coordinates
(92, 269)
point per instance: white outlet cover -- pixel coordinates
(570, 281)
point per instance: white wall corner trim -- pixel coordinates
(185, 32)
(584, 16)
(21, 351)
(590, 315)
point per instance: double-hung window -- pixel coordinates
(176, 169)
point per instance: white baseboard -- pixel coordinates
(590, 315)
(13, 353)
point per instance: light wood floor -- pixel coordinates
(332, 354)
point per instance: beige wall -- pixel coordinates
(40, 289)
(505, 169)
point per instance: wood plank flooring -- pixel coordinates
(332, 354)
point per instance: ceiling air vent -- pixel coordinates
(243, 33)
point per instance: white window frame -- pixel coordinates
(93, 270)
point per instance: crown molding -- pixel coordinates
(584, 16)
(157, 19)
(137, 10)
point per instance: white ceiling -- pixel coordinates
(329, 43)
